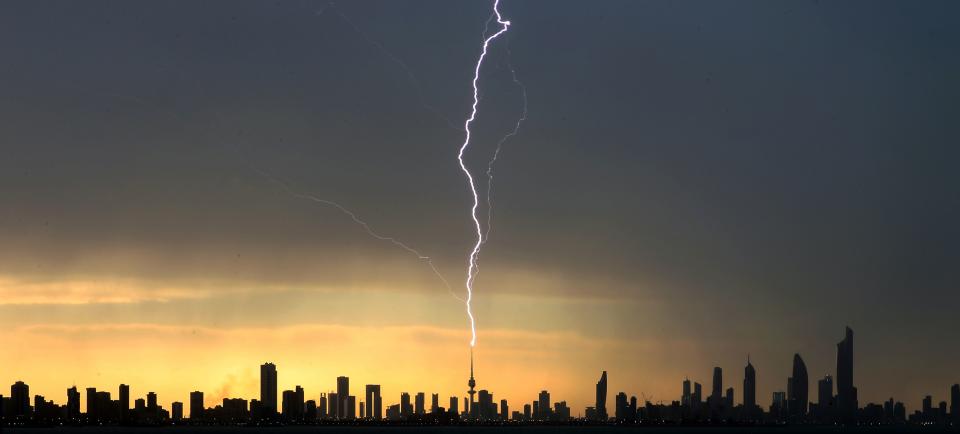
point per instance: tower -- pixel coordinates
(749, 391)
(471, 411)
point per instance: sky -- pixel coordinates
(695, 181)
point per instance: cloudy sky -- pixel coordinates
(695, 181)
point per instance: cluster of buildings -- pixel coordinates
(792, 406)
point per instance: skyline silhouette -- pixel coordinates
(789, 407)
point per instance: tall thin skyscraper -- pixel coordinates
(268, 389)
(697, 396)
(749, 392)
(343, 395)
(717, 391)
(434, 403)
(846, 393)
(797, 389)
(124, 403)
(601, 403)
(685, 397)
(955, 404)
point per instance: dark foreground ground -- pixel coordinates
(469, 430)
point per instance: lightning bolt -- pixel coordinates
(366, 227)
(472, 259)
(508, 136)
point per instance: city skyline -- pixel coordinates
(792, 405)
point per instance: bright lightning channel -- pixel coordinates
(472, 259)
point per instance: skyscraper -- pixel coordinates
(685, 397)
(406, 409)
(846, 393)
(343, 396)
(196, 406)
(92, 403)
(374, 403)
(177, 411)
(797, 389)
(435, 403)
(20, 399)
(749, 392)
(601, 403)
(717, 391)
(697, 396)
(420, 403)
(268, 390)
(543, 403)
(454, 403)
(955, 404)
(73, 404)
(124, 403)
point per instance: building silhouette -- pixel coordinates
(826, 404)
(797, 388)
(20, 399)
(472, 383)
(374, 402)
(601, 401)
(196, 406)
(749, 392)
(73, 404)
(955, 404)
(420, 403)
(343, 398)
(177, 410)
(123, 397)
(268, 390)
(846, 393)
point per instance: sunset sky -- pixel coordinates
(696, 181)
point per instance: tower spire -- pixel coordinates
(471, 410)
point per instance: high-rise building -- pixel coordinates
(420, 403)
(846, 393)
(268, 390)
(374, 403)
(797, 389)
(685, 397)
(406, 409)
(435, 403)
(504, 410)
(196, 406)
(299, 400)
(621, 407)
(697, 396)
(343, 394)
(453, 410)
(527, 412)
(749, 392)
(728, 399)
(333, 400)
(92, 403)
(20, 399)
(717, 391)
(351, 407)
(543, 404)
(177, 411)
(124, 403)
(601, 402)
(73, 404)
(322, 411)
(955, 404)
(485, 406)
